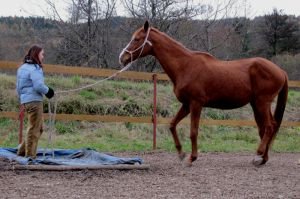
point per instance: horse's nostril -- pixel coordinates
(123, 60)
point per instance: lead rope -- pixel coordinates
(51, 124)
(52, 114)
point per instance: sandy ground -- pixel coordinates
(213, 175)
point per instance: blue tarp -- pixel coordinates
(72, 157)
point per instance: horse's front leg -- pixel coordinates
(183, 111)
(195, 109)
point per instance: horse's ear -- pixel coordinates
(146, 26)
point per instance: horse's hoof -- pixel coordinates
(258, 161)
(187, 162)
(181, 156)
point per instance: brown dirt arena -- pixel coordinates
(213, 175)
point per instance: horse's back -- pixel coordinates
(232, 84)
(259, 70)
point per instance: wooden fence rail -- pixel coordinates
(85, 71)
(60, 69)
(145, 119)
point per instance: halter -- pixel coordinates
(146, 41)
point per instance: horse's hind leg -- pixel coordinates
(258, 121)
(183, 111)
(266, 125)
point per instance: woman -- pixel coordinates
(31, 88)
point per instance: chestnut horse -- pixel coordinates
(201, 80)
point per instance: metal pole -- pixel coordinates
(154, 119)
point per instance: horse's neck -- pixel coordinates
(170, 54)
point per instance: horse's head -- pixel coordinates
(139, 46)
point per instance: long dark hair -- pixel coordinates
(32, 57)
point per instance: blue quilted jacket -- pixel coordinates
(30, 83)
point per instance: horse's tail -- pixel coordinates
(281, 102)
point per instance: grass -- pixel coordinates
(294, 97)
(138, 137)
(120, 97)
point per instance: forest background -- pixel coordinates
(93, 35)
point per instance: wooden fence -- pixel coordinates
(60, 69)
(84, 71)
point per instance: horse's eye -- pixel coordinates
(135, 39)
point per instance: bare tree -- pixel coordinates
(218, 24)
(85, 37)
(163, 13)
(197, 24)
(166, 15)
(279, 31)
(92, 36)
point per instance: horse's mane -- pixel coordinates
(181, 45)
(207, 55)
(170, 38)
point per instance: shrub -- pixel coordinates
(290, 63)
(88, 94)
(62, 128)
